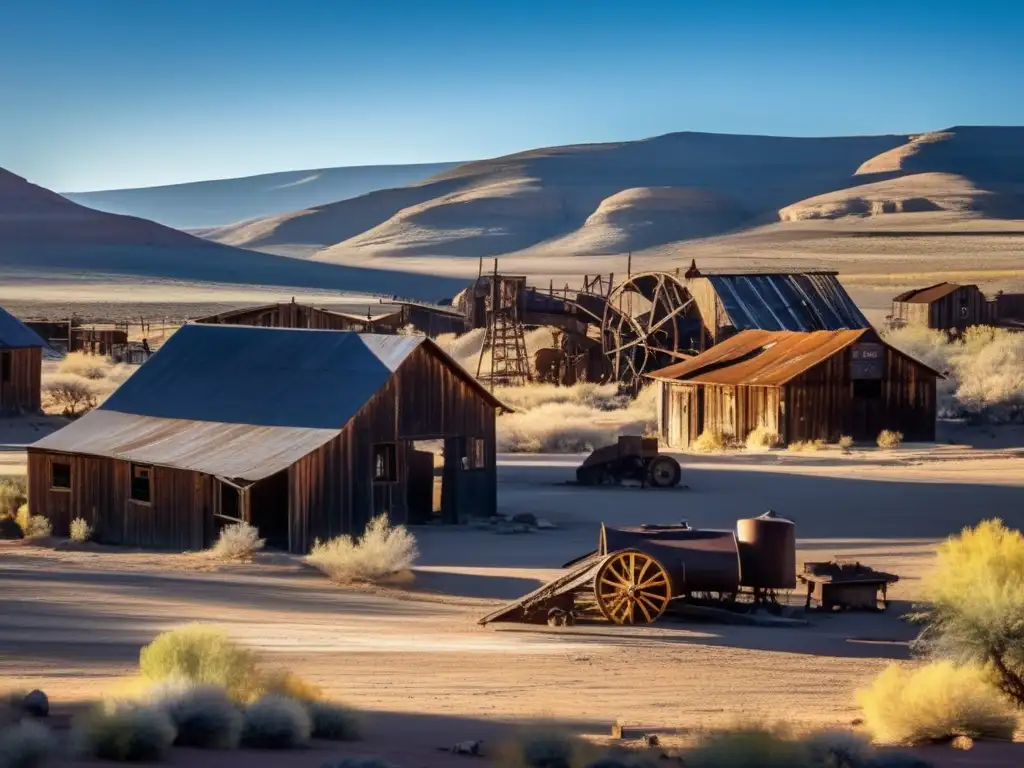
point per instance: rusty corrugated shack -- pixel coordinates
(802, 386)
(21, 366)
(305, 434)
(944, 306)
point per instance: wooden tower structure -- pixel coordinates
(504, 338)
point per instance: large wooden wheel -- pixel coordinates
(632, 588)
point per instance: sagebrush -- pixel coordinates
(124, 731)
(383, 550)
(70, 394)
(200, 654)
(203, 716)
(544, 747)
(846, 443)
(762, 439)
(239, 541)
(80, 530)
(27, 744)
(709, 441)
(806, 446)
(889, 438)
(975, 613)
(984, 370)
(33, 526)
(934, 702)
(276, 722)
(82, 382)
(287, 683)
(13, 493)
(334, 722)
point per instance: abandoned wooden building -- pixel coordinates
(21, 366)
(943, 306)
(304, 434)
(292, 314)
(801, 386)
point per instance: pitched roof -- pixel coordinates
(239, 401)
(14, 334)
(929, 294)
(804, 301)
(762, 358)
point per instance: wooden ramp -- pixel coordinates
(559, 593)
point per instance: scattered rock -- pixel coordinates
(36, 704)
(962, 742)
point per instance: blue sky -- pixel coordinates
(99, 94)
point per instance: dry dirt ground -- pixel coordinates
(72, 622)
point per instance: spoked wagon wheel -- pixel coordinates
(632, 588)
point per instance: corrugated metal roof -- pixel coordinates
(763, 358)
(929, 294)
(239, 451)
(240, 401)
(787, 302)
(14, 334)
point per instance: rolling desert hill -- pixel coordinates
(508, 204)
(668, 192)
(966, 173)
(225, 201)
(45, 237)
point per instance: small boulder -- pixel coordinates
(36, 704)
(525, 518)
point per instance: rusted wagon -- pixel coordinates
(632, 459)
(636, 573)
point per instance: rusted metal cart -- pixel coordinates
(632, 459)
(636, 573)
(846, 585)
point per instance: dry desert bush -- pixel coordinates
(87, 366)
(711, 442)
(203, 716)
(382, 551)
(544, 747)
(276, 722)
(13, 493)
(80, 531)
(845, 443)
(285, 683)
(975, 613)
(762, 439)
(806, 446)
(70, 394)
(203, 655)
(984, 370)
(889, 438)
(334, 722)
(124, 731)
(239, 541)
(33, 526)
(934, 702)
(82, 382)
(27, 744)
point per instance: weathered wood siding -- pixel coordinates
(294, 315)
(956, 311)
(23, 391)
(712, 311)
(332, 489)
(821, 404)
(179, 517)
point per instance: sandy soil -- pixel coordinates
(73, 621)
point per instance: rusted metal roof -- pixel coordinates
(809, 301)
(929, 294)
(764, 358)
(239, 401)
(14, 334)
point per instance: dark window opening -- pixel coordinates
(60, 475)
(5, 367)
(476, 458)
(867, 388)
(385, 463)
(141, 483)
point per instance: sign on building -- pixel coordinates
(867, 361)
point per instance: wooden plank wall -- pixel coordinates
(24, 391)
(332, 489)
(711, 310)
(728, 410)
(945, 313)
(180, 516)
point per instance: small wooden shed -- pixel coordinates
(305, 434)
(293, 314)
(803, 386)
(21, 366)
(943, 306)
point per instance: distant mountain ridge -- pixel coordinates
(201, 204)
(45, 235)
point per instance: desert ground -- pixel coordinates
(415, 658)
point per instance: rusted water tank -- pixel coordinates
(767, 547)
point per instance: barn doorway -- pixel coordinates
(425, 482)
(229, 507)
(268, 509)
